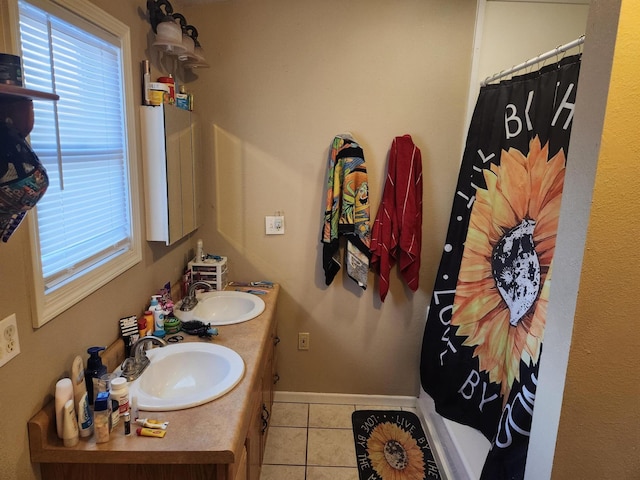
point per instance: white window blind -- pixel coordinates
(84, 217)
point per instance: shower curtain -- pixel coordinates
(485, 328)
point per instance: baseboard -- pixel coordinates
(345, 398)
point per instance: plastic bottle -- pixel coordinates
(158, 313)
(146, 80)
(115, 414)
(81, 398)
(69, 425)
(170, 82)
(127, 423)
(148, 315)
(102, 417)
(64, 393)
(199, 251)
(95, 370)
(120, 393)
(134, 407)
(142, 326)
(105, 386)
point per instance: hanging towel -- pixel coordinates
(397, 230)
(347, 211)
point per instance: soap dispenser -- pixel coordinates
(158, 314)
(95, 370)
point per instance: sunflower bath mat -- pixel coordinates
(391, 445)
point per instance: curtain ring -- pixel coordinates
(537, 62)
(581, 45)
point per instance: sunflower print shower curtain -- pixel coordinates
(485, 328)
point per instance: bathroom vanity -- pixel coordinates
(220, 440)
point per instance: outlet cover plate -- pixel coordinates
(274, 224)
(9, 344)
(303, 341)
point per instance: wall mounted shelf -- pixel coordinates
(16, 91)
(16, 106)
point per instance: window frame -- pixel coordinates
(47, 306)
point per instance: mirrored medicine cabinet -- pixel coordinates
(170, 142)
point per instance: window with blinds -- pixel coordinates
(84, 220)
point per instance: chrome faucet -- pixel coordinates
(133, 366)
(190, 301)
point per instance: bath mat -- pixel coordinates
(391, 445)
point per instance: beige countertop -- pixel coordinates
(213, 433)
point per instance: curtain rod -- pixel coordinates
(540, 58)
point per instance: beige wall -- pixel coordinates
(555, 24)
(27, 382)
(283, 82)
(286, 77)
(599, 431)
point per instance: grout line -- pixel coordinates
(306, 451)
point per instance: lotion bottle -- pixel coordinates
(81, 398)
(64, 393)
(158, 313)
(69, 425)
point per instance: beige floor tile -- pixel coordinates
(289, 415)
(286, 446)
(330, 416)
(331, 473)
(331, 447)
(282, 472)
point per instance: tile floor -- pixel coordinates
(312, 441)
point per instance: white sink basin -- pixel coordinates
(223, 308)
(186, 375)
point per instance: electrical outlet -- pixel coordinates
(9, 344)
(274, 225)
(303, 341)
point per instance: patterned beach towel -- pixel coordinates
(347, 211)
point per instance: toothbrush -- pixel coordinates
(262, 284)
(255, 292)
